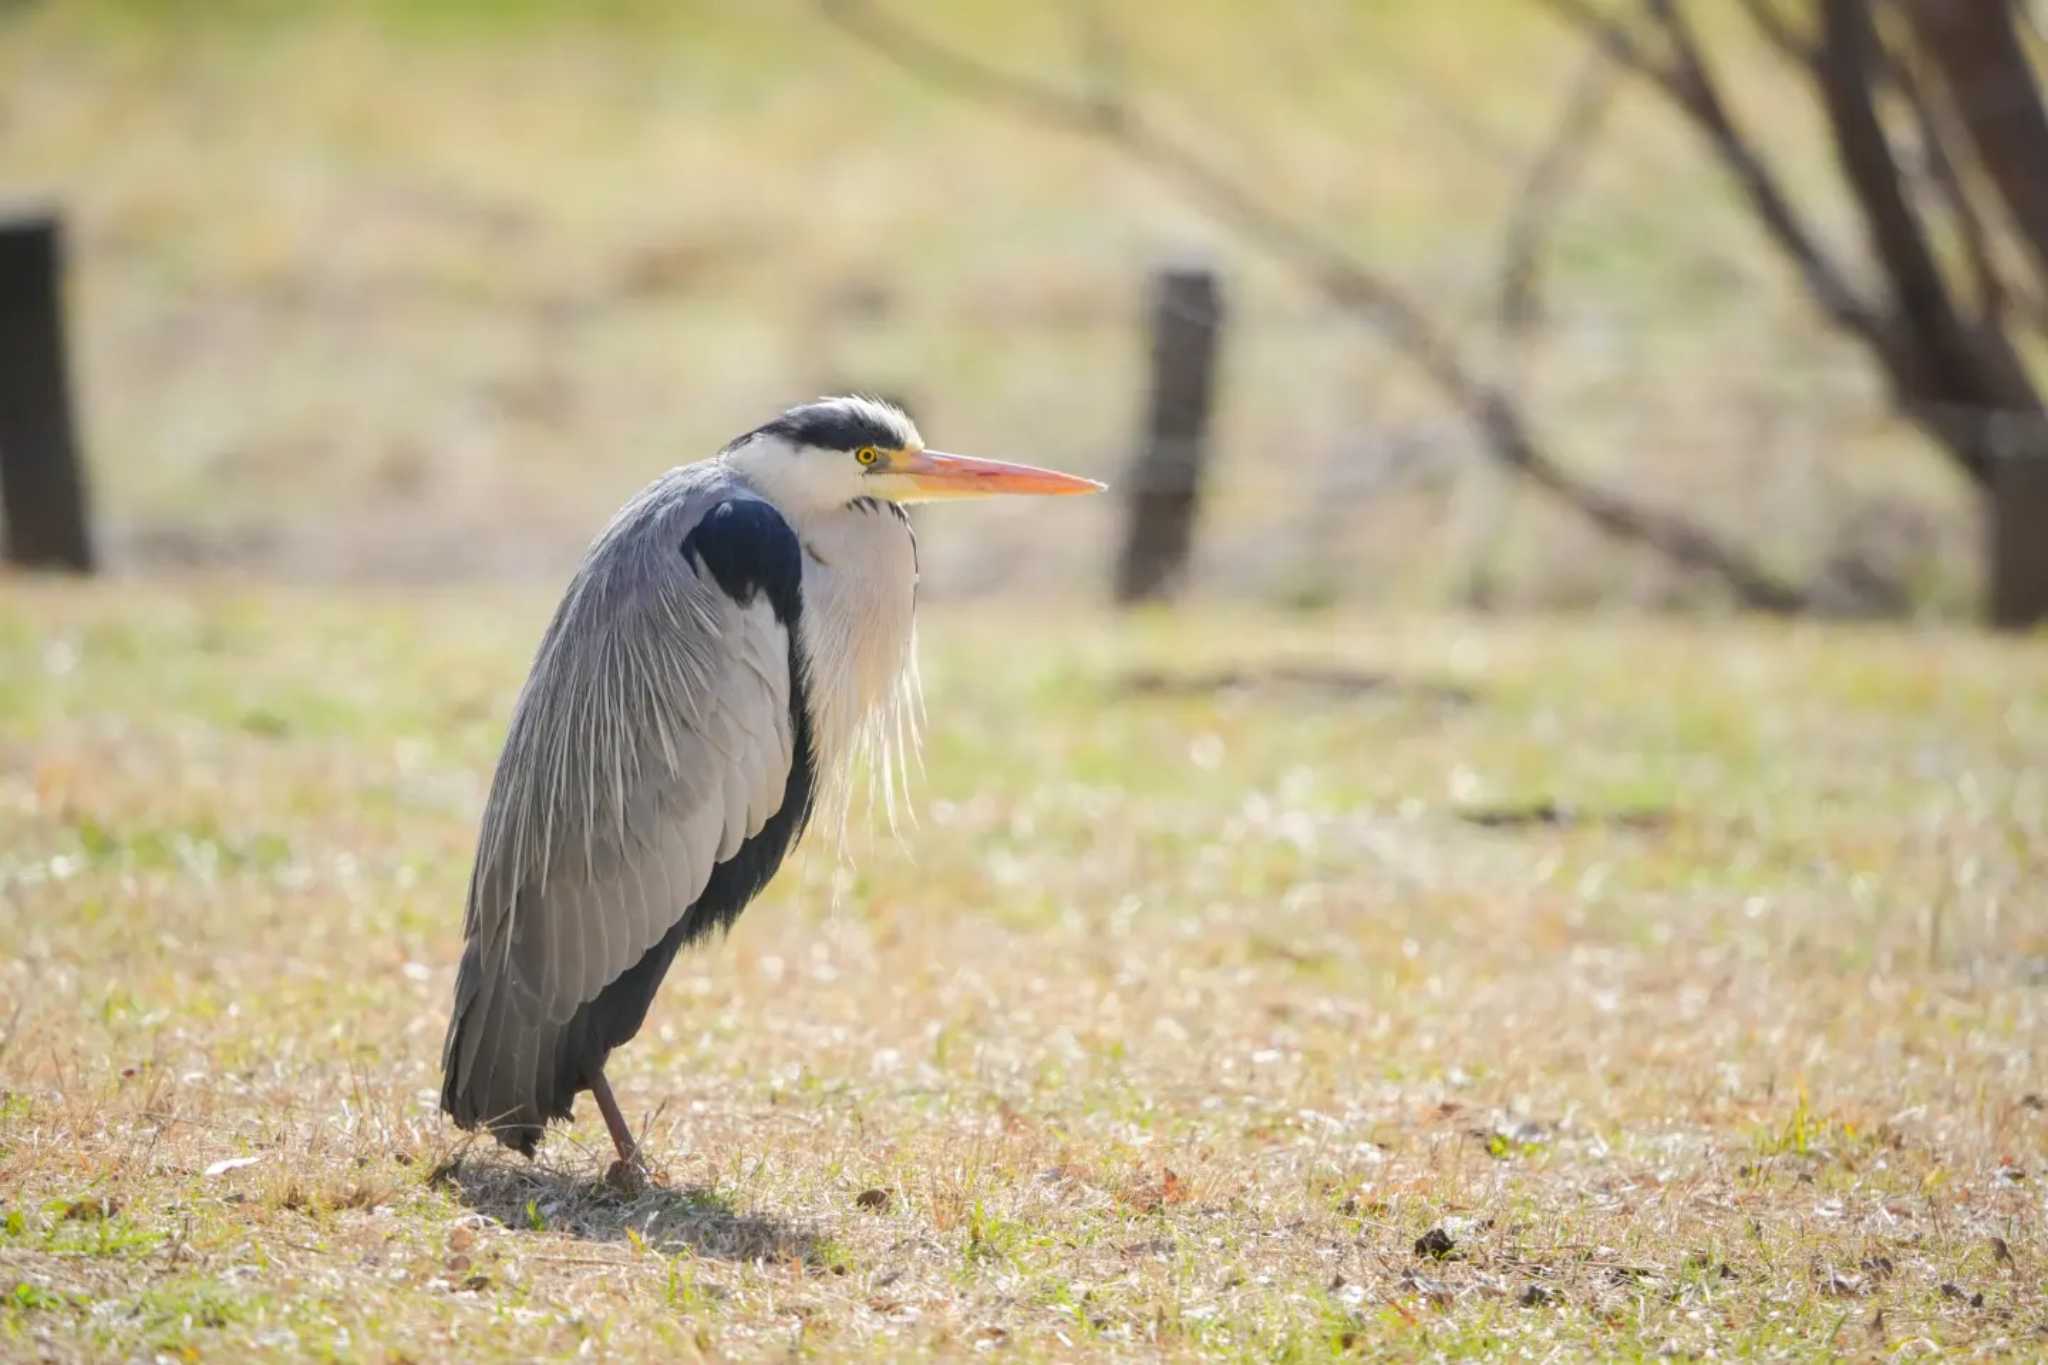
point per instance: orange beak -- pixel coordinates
(930, 475)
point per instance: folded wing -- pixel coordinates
(660, 736)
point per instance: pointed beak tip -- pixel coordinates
(1058, 485)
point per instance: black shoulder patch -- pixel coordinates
(749, 548)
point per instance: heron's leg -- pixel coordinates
(622, 1136)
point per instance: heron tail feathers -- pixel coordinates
(505, 1070)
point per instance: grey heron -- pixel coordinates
(712, 663)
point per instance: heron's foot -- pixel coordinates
(635, 1175)
(629, 1178)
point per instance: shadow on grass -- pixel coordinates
(522, 1194)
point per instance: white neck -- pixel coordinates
(859, 591)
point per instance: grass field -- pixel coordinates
(1269, 988)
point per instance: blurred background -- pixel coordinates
(420, 290)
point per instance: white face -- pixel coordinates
(827, 454)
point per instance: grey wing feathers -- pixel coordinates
(652, 738)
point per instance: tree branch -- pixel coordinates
(1848, 61)
(1349, 284)
(1995, 92)
(1543, 189)
(1957, 379)
(1690, 84)
(1993, 294)
(1778, 31)
(1617, 40)
(1952, 368)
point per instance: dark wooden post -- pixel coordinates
(42, 490)
(1165, 481)
(2017, 506)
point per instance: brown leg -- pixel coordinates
(622, 1136)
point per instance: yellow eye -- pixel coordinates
(867, 455)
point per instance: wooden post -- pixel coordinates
(42, 489)
(1165, 482)
(2017, 507)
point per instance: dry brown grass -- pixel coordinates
(1572, 990)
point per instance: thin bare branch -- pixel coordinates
(1825, 280)
(1849, 62)
(1518, 301)
(1998, 99)
(1686, 78)
(1952, 364)
(1618, 38)
(1958, 379)
(970, 76)
(1545, 186)
(1349, 284)
(1986, 279)
(1779, 32)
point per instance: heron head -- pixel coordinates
(838, 450)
